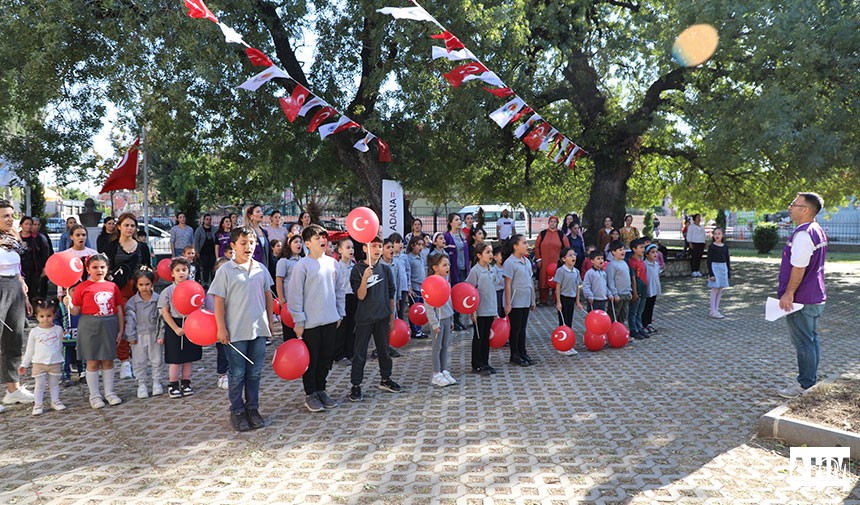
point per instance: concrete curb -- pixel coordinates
(796, 432)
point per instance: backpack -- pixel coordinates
(560, 236)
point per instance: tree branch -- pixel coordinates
(627, 5)
(281, 40)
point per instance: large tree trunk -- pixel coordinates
(608, 196)
(366, 166)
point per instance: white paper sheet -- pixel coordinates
(772, 312)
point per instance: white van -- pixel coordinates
(492, 213)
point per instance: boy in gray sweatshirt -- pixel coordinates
(594, 283)
(317, 302)
(618, 281)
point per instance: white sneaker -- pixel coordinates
(2, 408)
(223, 382)
(448, 377)
(96, 402)
(717, 315)
(37, 410)
(571, 352)
(58, 406)
(142, 392)
(157, 389)
(125, 371)
(439, 380)
(113, 399)
(20, 395)
(792, 391)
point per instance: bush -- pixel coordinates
(765, 237)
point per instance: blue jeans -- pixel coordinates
(245, 377)
(803, 329)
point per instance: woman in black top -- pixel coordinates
(204, 243)
(126, 254)
(104, 237)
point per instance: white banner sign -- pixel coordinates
(392, 208)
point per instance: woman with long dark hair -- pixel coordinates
(104, 238)
(222, 237)
(253, 218)
(204, 243)
(33, 258)
(457, 247)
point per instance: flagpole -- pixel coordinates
(145, 187)
(112, 213)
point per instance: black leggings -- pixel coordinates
(481, 342)
(519, 320)
(696, 251)
(568, 305)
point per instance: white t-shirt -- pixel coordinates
(801, 249)
(505, 226)
(10, 262)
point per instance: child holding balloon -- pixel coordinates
(100, 328)
(441, 319)
(244, 316)
(482, 277)
(417, 274)
(141, 331)
(179, 352)
(567, 281)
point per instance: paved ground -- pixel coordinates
(670, 419)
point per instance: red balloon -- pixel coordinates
(286, 317)
(597, 322)
(291, 359)
(551, 269)
(188, 296)
(618, 335)
(64, 269)
(593, 341)
(563, 338)
(163, 270)
(500, 331)
(200, 328)
(362, 224)
(418, 314)
(465, 298)
(399, 335)
(435, 290)
(276, 307)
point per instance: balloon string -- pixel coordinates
(241, 353)
(612, 304)
(7, 326)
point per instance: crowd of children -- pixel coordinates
(337, 306)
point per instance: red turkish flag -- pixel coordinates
(500, 92)
(198, 10)
(384, 152)
(452, 43)
(456, 76)
(521, 113)
(292, 105)
(320, 116)
(124, 176)
(535, 137)
(258, 59)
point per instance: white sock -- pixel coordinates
(93, 383)
(54, 385)
(39, 390)
(107, 376)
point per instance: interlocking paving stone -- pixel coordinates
(666, 420)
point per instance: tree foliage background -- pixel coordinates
(775, 110)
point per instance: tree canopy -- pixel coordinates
(774, 111)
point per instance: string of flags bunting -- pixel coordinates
(535, 132)
(301, 101)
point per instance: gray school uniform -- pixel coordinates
(417, 271)
(652, 270)
(484, 279)
(283, 269)
(498, 277)
(395, 277)
(568, 281)
(141, 317)
(594, 285)
(244, 294)
(522, 287)
(618, 279)
(316, 296)
(345, 272)
(166, 300)
(402, 263)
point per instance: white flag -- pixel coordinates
(544, 146)
(503, 115)
(414, 13)
(230, 35)
(562, 150)
(488, 77)
(460, 54)
(313, 102)
(521, 129)
(573, 152)
(329, 128)
(362, 145)
(254, 83)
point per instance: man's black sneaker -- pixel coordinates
(255, 420)
(238, 421)
(355, 394)
(390, 386)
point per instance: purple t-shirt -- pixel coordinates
(223, 239)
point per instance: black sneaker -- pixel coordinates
(374, 355)
(652, 330)
(186, 388)
(392, 352)
(255, 420)
(355, 394)
(645, 334)
(528, 359)
(519, 361)
(637, 335)
(421, 335)
(488, 370)
(174, 390)
(390, 386)
(67, 382)
(238, 421)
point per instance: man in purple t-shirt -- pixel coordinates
(801, 280)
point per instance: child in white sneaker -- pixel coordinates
(141, 331)
(442, 321)
(45, 353)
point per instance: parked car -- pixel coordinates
(55, 225)
(492, 213)
(159, 240)
(332, 225)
